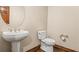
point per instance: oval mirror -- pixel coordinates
(13, 15)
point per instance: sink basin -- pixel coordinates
(15, 38)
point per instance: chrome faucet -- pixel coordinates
(12, 29)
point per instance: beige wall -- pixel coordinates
(4, 45)
(35, 19)
(64, 20)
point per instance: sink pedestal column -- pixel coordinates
(16, 46)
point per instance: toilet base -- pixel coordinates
(46, 48)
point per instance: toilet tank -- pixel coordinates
(42, 35)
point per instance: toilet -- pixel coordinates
(46, 42)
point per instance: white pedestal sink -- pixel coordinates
(15, 38)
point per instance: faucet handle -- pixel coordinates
(10, 29)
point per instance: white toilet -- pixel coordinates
(46, 43)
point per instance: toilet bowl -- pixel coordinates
(46, 42)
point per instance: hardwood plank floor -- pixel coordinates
(40, 50)
(58, 50)
(55, 50)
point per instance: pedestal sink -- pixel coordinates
(15, 38)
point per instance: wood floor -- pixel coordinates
(40, 50)
(56, 48)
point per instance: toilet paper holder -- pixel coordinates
(64, 37)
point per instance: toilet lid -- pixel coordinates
(48, 40)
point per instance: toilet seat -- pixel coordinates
(48, 41)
